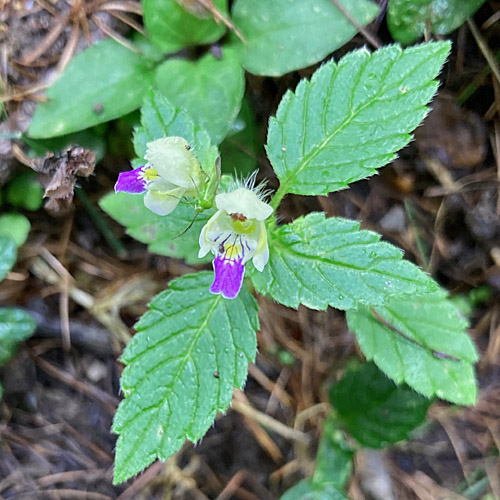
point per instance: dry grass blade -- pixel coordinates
(49, 39)
(368, 36)
(126, 20)
(113, 34)
(125, 6)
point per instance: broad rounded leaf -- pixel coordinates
(16, 325)
(191, 349)
(15, 226)
(374, 409)
(285, 35)
(160, 118)
(408, 19)
(101, 83)
(320, 262)
(172, 27)
(8, 255)
(422, 342)
(210, 90)
(306, 490)
(352, 117)
(175, 235)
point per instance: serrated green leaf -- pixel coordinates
(306, 490)
(8, 255)
(101, 83)
(14, 226)
(25, 191)
(319, 262)
(16, 326)
(191, 349)
(285, 35)
(160, 118)
(334, 459)
(352, 117)
(172, 27)
(240, 149)
(210, 90)
(163, 235)
(409, 19)
(422, 342)
(374, 409)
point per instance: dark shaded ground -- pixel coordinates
(439, 202)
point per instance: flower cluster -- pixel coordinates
(235, 234)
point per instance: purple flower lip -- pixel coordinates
(132, 182)
(228, 277)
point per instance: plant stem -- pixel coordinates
(101, 224)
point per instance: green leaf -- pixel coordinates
(285, 35)
(8, 255)
(191, 349)
(409, 19)
(89, 138)
(352, 117)
(160, 118)
(14, 226)
(163, 235)
(306, 490)
(422, 342)
(210, 90)
(172, 27)
(25, 191)
(241, 147)
(101, 83)
(319, 262)
(374, 409)
(334, 459)
(16, 326)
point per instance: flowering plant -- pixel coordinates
(192, 346)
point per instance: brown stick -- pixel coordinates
(368, 36)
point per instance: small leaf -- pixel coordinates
(334, 460)
(101, 83)
(210, 90)
(240, 149)
(8, 255)
(352, 117)
(25, 191)
(160, 118)
(16, 326)
(172, 27)
(374, 409)
(422, 342)
(170, 235)
(191, 349)
(409, 19)
(14, 226)
(306, 490)
(319, 262)
(285, 35)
